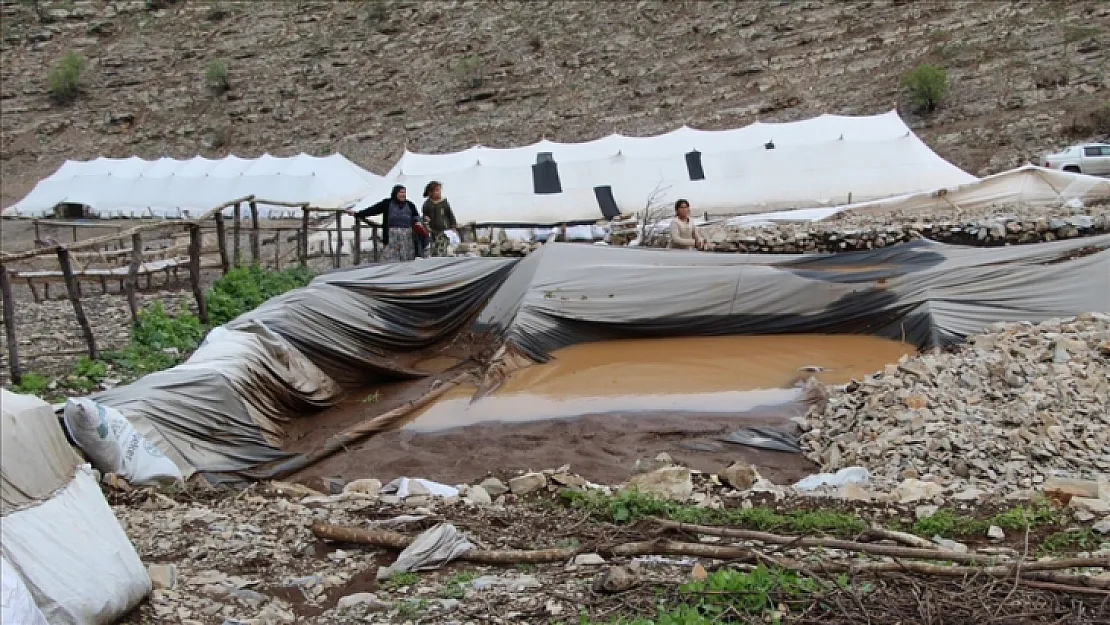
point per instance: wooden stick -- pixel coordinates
(304, 235)
(374, 233)
(75, 298)
(357, 250)
(899, 537)
(393, 540)
(194, 272)
(256, 236)
(236, 224)
(133, 275)
(221, 242)
(828, 543)
(34, 292)
(277, 251)
(674, 548)
(9, 326)
(339, 241)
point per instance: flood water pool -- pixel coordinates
(730, 374)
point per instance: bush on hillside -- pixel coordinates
(928, 84)
(216, 76)
(64, 79)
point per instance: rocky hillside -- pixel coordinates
(368, 78)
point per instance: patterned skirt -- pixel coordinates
(440, 245)
(401, 246)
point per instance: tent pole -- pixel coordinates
(75, 298)
(357, 250)
(277, 251)
(374, 233)
(338, 262)
(304, 235)
(9, 324)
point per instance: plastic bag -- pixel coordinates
(113, 445)
(16, 604)
(858, 475)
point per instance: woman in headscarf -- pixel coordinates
(684, 234)
(399, 219)
(439, 217)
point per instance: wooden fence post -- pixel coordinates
(256, 238)
(339, 240)
(221, 241)
(9, 325)
(277, 250)
(75, 298)
(235, 225)
(194, 271)
(357, 250)
(374, 235)
(133, 275)
(304, 235)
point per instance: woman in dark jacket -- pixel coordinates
(398, 216)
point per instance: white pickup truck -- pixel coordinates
(1087, 158)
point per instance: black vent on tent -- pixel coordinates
(693, 165)
(545, 175)
(606, 203)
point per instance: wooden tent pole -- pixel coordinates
(236, 225)
(256, 236)
(221, 241)
(194, 271)
(133, 275)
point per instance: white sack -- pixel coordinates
(114, 446)
(16, 604)
(858, 475)
(402, 486)
(74, 557)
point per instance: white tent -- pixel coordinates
(823, 161)
(59, 534)
(134, 187)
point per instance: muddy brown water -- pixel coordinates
(599, 407)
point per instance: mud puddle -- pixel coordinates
(706, 375)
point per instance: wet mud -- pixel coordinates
(598, 407)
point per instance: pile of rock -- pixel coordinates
(1012, 409)
(856, 234)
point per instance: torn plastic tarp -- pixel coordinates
(764, 438)
(430, 550)
(925, 293)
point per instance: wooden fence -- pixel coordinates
(127, 245)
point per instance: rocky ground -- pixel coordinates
(368, 79)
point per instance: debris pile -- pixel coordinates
(1012, 408)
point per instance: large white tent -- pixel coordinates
(166, 187)
(822, 161)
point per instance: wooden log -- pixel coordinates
(221, 242)
(374, 235)
(75, 299)
(236, 224)
(357, 250)
(339, 241)
(304, 235)
(194, 272)
(256, 236)
(9, 326)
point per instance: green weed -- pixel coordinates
(372, 398)
(64, 78)
(401, 580)
(31, 384)
(455, 586)
(216, 76)
(1069, 540)
(411, 608)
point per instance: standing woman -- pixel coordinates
(684, 234)
(399, 217)
(439, 217)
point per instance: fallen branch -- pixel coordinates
(1089, 585)
(881, 533)
(398, 542)
(829, 543)
(674, 548)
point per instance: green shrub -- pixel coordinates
(64, 79)
(928, 84)
(216, 75)
(31, 384)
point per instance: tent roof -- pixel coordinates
(169, 187)
(821, 161)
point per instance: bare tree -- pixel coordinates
(655, 210)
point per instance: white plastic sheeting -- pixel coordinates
(820, 161)
(17, 606)
(58, 532)
(134, 187)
